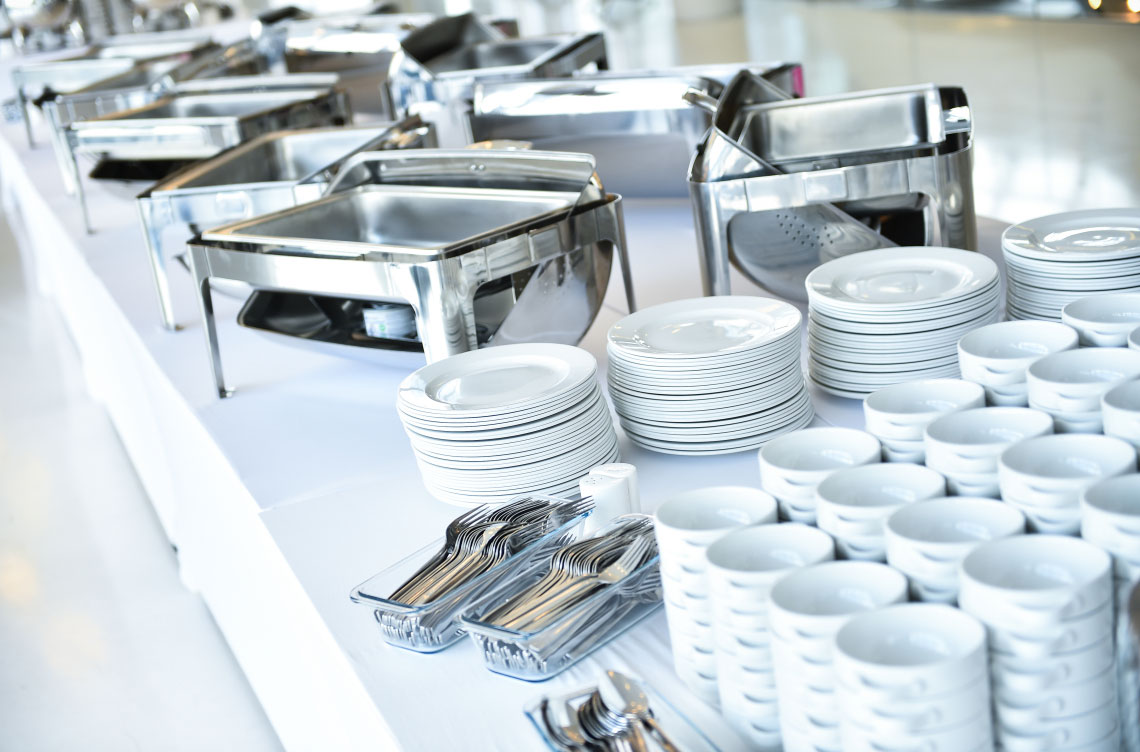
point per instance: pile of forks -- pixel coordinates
(581, 597)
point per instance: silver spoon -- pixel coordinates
(624, 696)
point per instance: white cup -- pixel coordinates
(1120, 410)
(1074, 380)
(1039, 579)
(1054, 470)
(1088, 421)
(968, 703)
(971, 735)
(867, 495)
(1046, 518)
(686, 524)
(999, 354)
(758, 556)
(902, 411)
(907, 652)
(1110, 513)
(792, 465)
(1062, 733)
(1018, 676)
(1028, 641)
(1103, 320)
(1026, 711)
(815, 601)
(970, 441)
(930, 539)
(973, 484)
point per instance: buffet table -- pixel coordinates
(282, 499)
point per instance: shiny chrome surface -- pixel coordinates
(779, 185)
(636, 123)
(436, 67)
(193, 125)
(39, 14)
(268, 173)
(428, 229)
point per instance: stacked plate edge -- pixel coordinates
(492, 424)
(888, 316)
(1053, 260)
(708, 375)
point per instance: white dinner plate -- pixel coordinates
(1098, 234)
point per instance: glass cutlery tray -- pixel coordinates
(538, 655)
(431, 627)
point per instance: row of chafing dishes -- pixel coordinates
(340, 235)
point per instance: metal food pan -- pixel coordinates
(266, 174)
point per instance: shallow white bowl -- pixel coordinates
(806, 457)
(1018, 677)
(688, 522)
(1074, 380)
(1103, 320)
(970, 441)
(1063, 733)
(1053, 470)
(999, 354)
(1014, 395)
(930, 538)
(871, 492)
(903, 410)
(817, 600)
(1120, 411)
(758, 556)
(1116, 502)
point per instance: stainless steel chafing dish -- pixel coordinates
(434, 71)
(269, 173)
(358, 49)
(636, 123)
(111, 62)
(198, 125)
(484, 247)
(781, 185)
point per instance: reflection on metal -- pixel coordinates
(636, 123)
(780, 186)
(486, 247)
(197, 125)
(267, 174)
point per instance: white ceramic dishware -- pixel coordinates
(898, 415)
(1120, 412)
(1073, 381)
(895, 315)
(1110, 518)
(997, 356)
(708, 375)
(1134, 339)
(1104, 320)
(793, 465)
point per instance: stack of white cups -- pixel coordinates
(807, 608)
(685, 526)
(792, 465)
(1120, 409)
(743, 567)
(1110, 518)
(1044, 477)
(1068, 385)
(1046, 601)
(854, 503)
(997, 356)
(897, 415)
(965, 446)
(927, 541)
(913, 676)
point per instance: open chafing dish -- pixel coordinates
(268, 173)
(636, 123)
(112, 61)
(483, 247)
(434, 71)
(196, 125)
(781, 185)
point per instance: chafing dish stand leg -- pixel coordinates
(73, 167)
(26, 111)
(712, 239)
(153, 239)
(197, 268)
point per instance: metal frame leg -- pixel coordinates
(154, 252)
(206, 304)
(73, 166)
(712, 241)
(25, 110)
(621, 248)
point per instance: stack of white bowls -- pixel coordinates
(853, 504)
(743, 567)
(1120, 409)
(913, 676)
(898, 415)
(997, 356)
(1068, 385)
(1046, 601)
(1051, 261)
(685, 526)
(1104, 320)
(793, 465)
(489, 425)
(965, 446)
(709, 375)
(1110, 518)
(807, 608)
(892, 315)
(927, 541)
(1044, 477)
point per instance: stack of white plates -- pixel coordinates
(913, 676)
(896, 314)
(806, 609)
(1044, 477)
(489, 425)
(1054, 260)
(708, 375)
(1046, 601)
